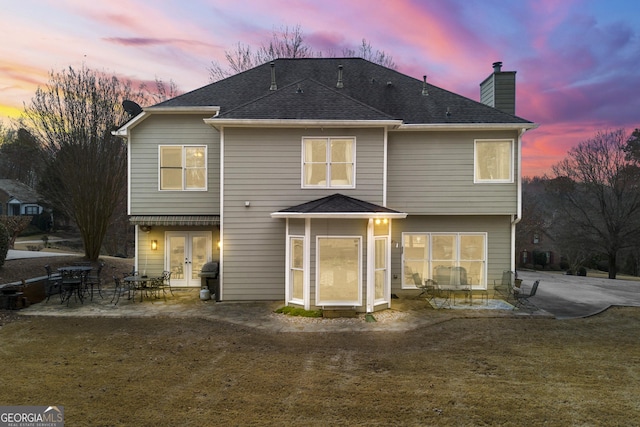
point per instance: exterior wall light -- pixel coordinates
(154, 245)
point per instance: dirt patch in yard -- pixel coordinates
(464, 371)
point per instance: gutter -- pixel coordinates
(518, 216)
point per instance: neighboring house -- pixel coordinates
(17, 199)
(330, 182)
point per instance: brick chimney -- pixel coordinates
(499, 89)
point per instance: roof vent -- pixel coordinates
(299, 89)
(274, 86)
(340, 84)
(389, 83)
(448, 113)
(425, 92)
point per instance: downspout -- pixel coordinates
(384, 167)
(220, 261)
(518, 216)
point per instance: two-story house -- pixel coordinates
(329, 182)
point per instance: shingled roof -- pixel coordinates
(339, 204)
(307, 89)
(19, 191)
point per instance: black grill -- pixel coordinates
(210, 270)
(209, 275)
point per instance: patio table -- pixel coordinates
(141, 283)
(73, 281)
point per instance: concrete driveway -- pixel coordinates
(16, 254)
(568, 297)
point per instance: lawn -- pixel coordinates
(193, 372)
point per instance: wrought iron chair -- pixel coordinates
(53, 284)
(94, 280)
(523, 299)
(119, 289)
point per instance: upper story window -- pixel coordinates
(328, 162)
(493, 160)
(183, 167)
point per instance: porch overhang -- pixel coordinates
(338, 206)
(340, 215)
(175, 220)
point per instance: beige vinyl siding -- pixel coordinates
(152, 262)
(432, 173)
(144, 196)
(498, 229)
(263, 167)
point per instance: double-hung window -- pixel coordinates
(183, 167)
(328, 162)
(493, 161)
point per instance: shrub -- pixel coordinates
(564, 265)
(298, 311)
(582, 271)
(4, 243)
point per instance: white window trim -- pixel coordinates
(510, 180)
(481, 286)
(328, 183)
(355, 303)
(290, 269)
(184, 146)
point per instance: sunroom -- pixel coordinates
(338, 254)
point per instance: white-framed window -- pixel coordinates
(493, 160)
(380, 268)
(328, 162)
(338, 278)
(296, 269)
(448, 258)
(31, 210)
(183, 167)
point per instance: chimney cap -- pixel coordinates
(497, 67)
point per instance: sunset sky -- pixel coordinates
(577, 61)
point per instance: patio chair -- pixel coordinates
(166, 281)
(426, 287)
(505, 286)
(460, 284)
(94, 280)
(432, 290)
(53, 284)
(118, 290)
(523, 299)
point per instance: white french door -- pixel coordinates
(185, 255)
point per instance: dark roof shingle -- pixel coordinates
(338, 203)
(370, 92)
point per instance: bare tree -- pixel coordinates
(160, 91)
(598, 191)
(85, 175)
(365, 51)
(20, 157)
(285, 43)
